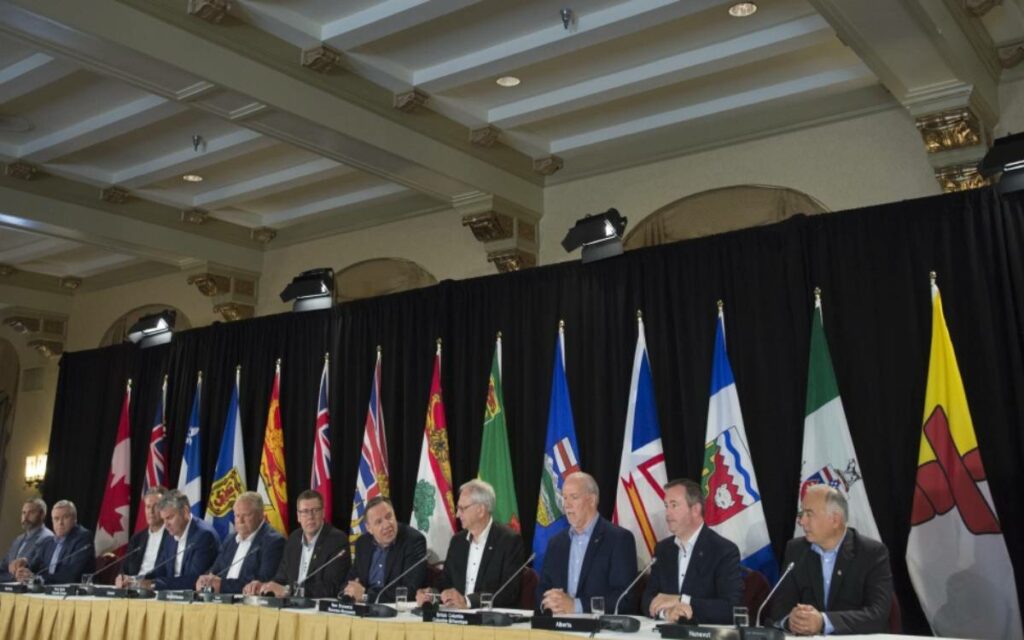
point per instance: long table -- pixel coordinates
(41, 617)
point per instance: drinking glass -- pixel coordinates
(740, 617)
(87, 579)
(401, 597)
(486, 600)
(597, 605)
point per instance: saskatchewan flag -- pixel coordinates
(495, 458)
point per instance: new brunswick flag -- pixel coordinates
(273, 484)
(956, 553)
(495, 458)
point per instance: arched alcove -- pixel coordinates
(118, 331)
(10, 369)
(380, 276)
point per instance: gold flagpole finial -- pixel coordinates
(379, 349)
(561, 324)
(438, 342)
(932, 276)
(165, 378)
(278, 363)
(129, 384)
(200, 375)
(639, 314)
(238, 368)
(721, 304)
(817, 294)
(327, 356)
(499, 335)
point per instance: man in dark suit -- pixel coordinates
(841, 581)
(145, 546)
(482, 557)
(67, 555)
(190, 550)
(697, 573)
(593, 557)
(253, 553)
(309, 548)
(382, 554)
(29, 544)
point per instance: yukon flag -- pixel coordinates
(229, 474)
(156, 459)
(495, 459)
(433, 512)
(372, 476)
(956, 552)
(828, 456)
(320, 474)
(732, 502)
(273, 482)
(640, 493)
(112, 527)
(190, 476)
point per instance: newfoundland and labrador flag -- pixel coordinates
(229, 474)
(732, 502)
(112, 527)
(433, 511)
(640, 494)
(956, 553)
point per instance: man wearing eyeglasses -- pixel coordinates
(310, 547)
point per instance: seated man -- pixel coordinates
(188, 553)
(144, 547)
(30, 542)
(483, 558)
(253, 553)
(63, 558)
(382, 554)
(593, 557)
(841, 581)
(310, 547)
(697, 575)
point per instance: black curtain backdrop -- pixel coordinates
(872, 265)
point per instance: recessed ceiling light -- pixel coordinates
(192, 177)
(507, 81)
(742, 9)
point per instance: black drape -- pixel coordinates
(872, 265)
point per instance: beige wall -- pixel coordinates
(1011, 104)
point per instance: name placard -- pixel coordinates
(698, 632)
(176, 596)
(342, 608)
(64, 590)
(556, 623)
(13, 587)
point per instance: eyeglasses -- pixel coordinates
(463, 507)
(804, 512)
(309, 512)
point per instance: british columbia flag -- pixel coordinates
(372, 479)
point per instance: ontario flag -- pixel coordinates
(273, 482)
(639, 493)
(112, 527)
(732, 501)
(320, 475)
(372, 477)
(956, 553)
(156, 458)
(433, 511)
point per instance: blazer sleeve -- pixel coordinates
(511, 555)
(84, 562)
(204, 552)
(414, 550)
(728, 588)
(268, 558)
(622, 571)
(873, 616)
(281, 576)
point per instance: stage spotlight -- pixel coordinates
(1005, 159)
(599, 234)
(154, 329)
(313, 289)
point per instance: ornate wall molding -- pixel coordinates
(978, 8)
(195, 216)
(322, 59)
(508, 232)
(410, 100)
(22, 170)
(212, 11)
(489, 226)
(960, 178)
(547, 165)
(949, 130)
(484, 136)
(114, 195)
(507, 260)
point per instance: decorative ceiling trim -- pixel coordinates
(263, 235)
(114, 195)
(978, 8)
(212, 11)
(22, 170)
(507, 260)
(485, 136)
(547, 165)
(71, 283)
(410, 101)
(195, 216)
(948, 130)
(960, 178)
(322, 59)
(1011, 55)
(489, 226)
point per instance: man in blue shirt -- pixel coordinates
(67, 555)
(841, 581)
(30, 543)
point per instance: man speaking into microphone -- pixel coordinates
(384, 553)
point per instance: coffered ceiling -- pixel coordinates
(306, 118)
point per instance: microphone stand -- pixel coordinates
(90, 588)
(377, 610)
(626, 624)
(36, 584)
(301, 601)
(207, 592)
(499, 618)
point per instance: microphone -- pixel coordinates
(498, 618)
(627, 624)
(789, 569)
(301, 583)
(377, 610)
(407, 571)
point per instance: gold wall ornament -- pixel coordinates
(114, 195)
(978, 8)
(953, 129)
(547, 165)
(512, 260)
(213, 11)
(484, 136)
(322, 58)
(210, 284)
(70, 283)
(23, 324)
(232, 311)
(21, 170)
(489, 225)
(960, 178)
(262, 235)
(47, 348)
(410, 100)
(195, 216)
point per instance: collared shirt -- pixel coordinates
(24, 545)
(240, 551)
(307, 554)
(152, 550)
(377, 563)
(179, 553)
(578, 543)
(828, 565)
(476, 554)
(58, 549)
(685, 553)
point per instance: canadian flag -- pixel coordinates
(112, 528)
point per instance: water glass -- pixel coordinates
(401, 597)
(298, 591)
(486, 600)
(597, 605)
(740, 617)
(87, 579)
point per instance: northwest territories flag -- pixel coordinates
(229, 475)
(190, 476)
(640, 494)
(561, 457)
(732, 502)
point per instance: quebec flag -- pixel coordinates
(190, 479)
(732, 502)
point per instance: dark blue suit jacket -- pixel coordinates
(712, 579)
(133, 565)
(261, 564)
(201, 549)
(72, 562)
(608, 567)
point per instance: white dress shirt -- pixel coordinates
(182, 545)
(152, 550)
(685, 553)
(476, 554)
(307, 556)
(240, 551)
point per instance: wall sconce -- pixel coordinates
(35, 470)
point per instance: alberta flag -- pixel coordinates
(561, 457)
(112, 527)
(732, 502)
(190, 476)
(156, 459)
(372, 477)
(433, 511)
(640, 493)
(229, 475)
(828, 455)
(956, 552)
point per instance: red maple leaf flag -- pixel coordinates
(112, 527)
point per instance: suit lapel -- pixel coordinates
(592, 550)
(844, 559)
(485, 559)
(696, 564)
(393, 553)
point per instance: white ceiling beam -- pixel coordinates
(277, 19)
(330, 204)
(29, 74)
(186, 159)
(715, 106)
(99, 128)
(268, 183)
(99, 264)
(42, 247)
(700, 62)
(384, 19)
(590, 29)
(15, 296)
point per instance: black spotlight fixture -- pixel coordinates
(599, 234)
(1005, 159)
(154, 329)
(313, 289)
